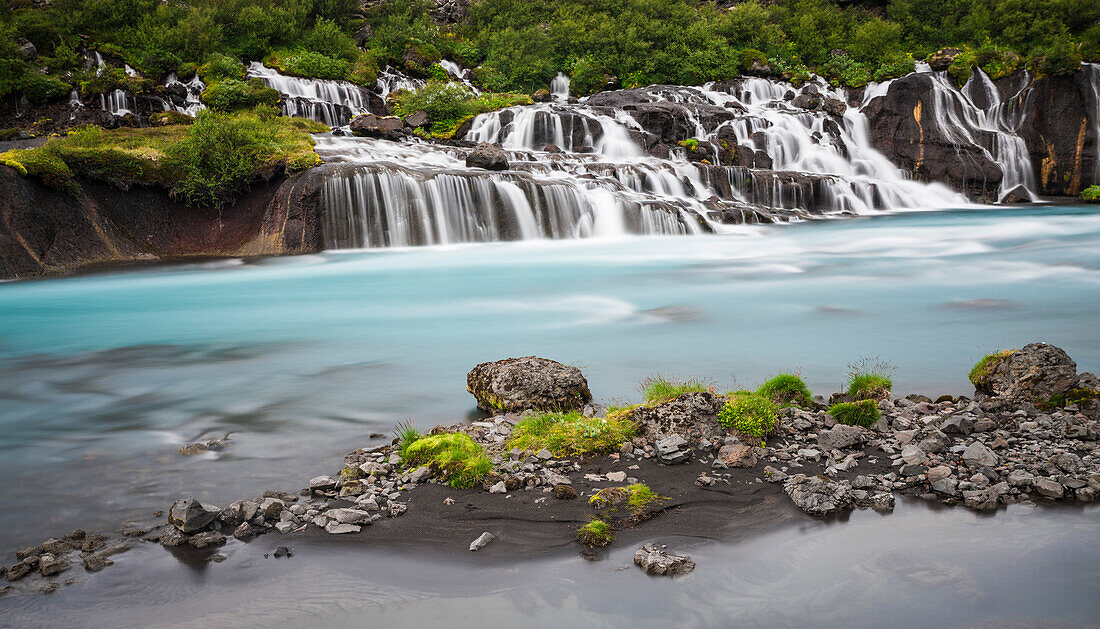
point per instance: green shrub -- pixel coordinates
(843, 70)
(979, 375)
(596, 533)
(459, 459)
(895, 66)
(747, 57)
(661, 389)
(9, 134)
(690, 144)
(862, 413)
(219, 66)
(870, 379)
(233, 94)
(1091, 194)
(43, 88)
(996, 61)
(449, 104)
(749, 414)
(328, 40)
(787, 389)
(311, 65)
(571, 434)
(1061, 58)
(587, 77)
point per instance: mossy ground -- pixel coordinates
(979, 375)
(862, 413)
(749, 413)
(460, 460)
(597, 533)
(571, 433)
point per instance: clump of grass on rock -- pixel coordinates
(571, 433)
(870, 379)
(457, 457)
(862, 413)
(787, 389)
(749, 414)
(661, 389)
(595, 534)
(983, 369)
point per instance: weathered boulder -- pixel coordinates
(1015, 196)
(372, 126)
(1032, 374)
(191, 516)
(487, 156)
(809, 101)
(943, 58)
(207, 539)
(417, 119)
(834, 107)
(673, 450)
(978, 454)
(737, 455)
(482, 541)
(818, 495)
(693, 416)
(519, 384)
(653, 560)
(841, 436)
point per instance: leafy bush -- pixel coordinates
(571, 434)
(219, 66)
(786, 389)
(747, 57)
(587, 77)
(42, 88)
(233, 94)
(870, 379)
(862, 413)
(312, 65)
(448, 104)
(979, 375)
(749, 414)
(895, 66)
(459, 459)
(996, 61)
(661, 389)
(1091, 194)
(844, 70)
(1061, 58)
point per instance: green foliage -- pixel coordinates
(984, 368)
(166, 118)
(661, 389)
(406, 434)
(690, 144)
(457, 457)
(596, 533)
(895, 66)
(43, 88)
(571, 434)
(747, 57)
(870, 379)
(449, 104)
(844, 70)
(862, 413)
(787, 389)
(1060, 58)
(749, 414)
(219, 66)
(587, 77)
(1091, 194)
(233, 94)
(42, 164)
(641, 497)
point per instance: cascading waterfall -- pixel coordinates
(1092, 70)
(334, 103)
(118, 102)
(559, 87)
(390, 80)
(192, 100)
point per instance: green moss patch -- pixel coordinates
(572, 434)
(454, 456)
(979, 375)
(1091, 194)
(749, 414)
(870, 379)
(862, 413)
(596, 534)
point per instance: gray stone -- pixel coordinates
(190, 515)
(693, 416)
(482, 541)
(946, 487)
(336, 528)
(817, 495)
(349, 516)
(913, 455)
(498, 488)
(420, 474)
(94, 562)
(937, 473)
(841, 436)
(958, 425)
(978, 454)
(487, 156)
(245, 531)
(322, 483)
(737, 456)
(171, 536)
(616, 477)
(1067, 462)
(1049, 488)
(1020, 478)
(544, 455)
(653, 560)
(206, 539)
(1037, 371)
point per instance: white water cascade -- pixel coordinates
(390, 80)
(334, 103)
(192, 100)
(559, 87)
(1092, 71)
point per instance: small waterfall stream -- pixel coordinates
(334, 103)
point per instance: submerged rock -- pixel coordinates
(653, 560)
(519, 384)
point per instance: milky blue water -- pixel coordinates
(106, 375)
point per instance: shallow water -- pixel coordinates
(918, 567)
(302, 358)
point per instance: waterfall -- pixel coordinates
(192, 100)
(118, 102)
(1092, 72)
(334, 103)
(390, 80)
(559, 87)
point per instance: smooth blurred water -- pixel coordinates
(301, 358)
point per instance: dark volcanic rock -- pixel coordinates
(518, 384)
(807, 101)
(190, 516)
(1016, 195)
(372, 126)
(1036, 372)
(693, 416)
(942, 59)
(1060, 129)
(487, 156)
(834, 107)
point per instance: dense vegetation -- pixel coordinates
(521, 44)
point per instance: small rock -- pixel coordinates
(564, 492)
(737, 456)
(190, 515)
(655, 561)
(94, 562)
(482, 541)
(979, 455)
(616, 477)
(207, 539)
(937, 473)
(841, 436)
(50, 565)
(498, 488)
(336, 528)
(1049, 488)
(283, 551)
(171, 536)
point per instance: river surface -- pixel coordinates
(918, 567)
(301, 359)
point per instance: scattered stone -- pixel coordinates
(498, 488)
(564, 492)
(737, 456)
(336, 528)
(841, 436)
(95, 562)
(207, 539)
(349, 516)
(673, 450)
(283, 551)
(937, 473)
(616, 477)
(482, 541)
(655, 561)
(171, 536)
(1048, 488)
(190, 515)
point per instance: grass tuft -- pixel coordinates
(787, 389)
(979, 375)
(457, 457)
(406, 434)
(571, 433)
(596, 533)
(661, 389)
(863, 413)
(870, 379)
(749, 413)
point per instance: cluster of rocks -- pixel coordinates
(55, 556)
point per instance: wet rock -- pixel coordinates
(487, 156)
(482, 541)
(1020, 478)
(246, 531)
(841, 436)
(1038, 371)
(817, 495)
(1048, 488)
(737, 456)
(693, 416)
(336, 528)
(653, 560)
(30, 551)
(834, 107)
(349, 516)
(50, 565)
(200, 447)
(673, 450)
(21, 569)
(190, 515)
(95, 562)
(55, 546)
(322, 483)
(807, 101)
(372, 126)
(207, 539)
(937, 473)
(1016, 196)
(518, 384)
(564, 492)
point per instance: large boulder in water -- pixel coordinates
(1034, 373)
(519, 384)
(191, 516)
(487, 156)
